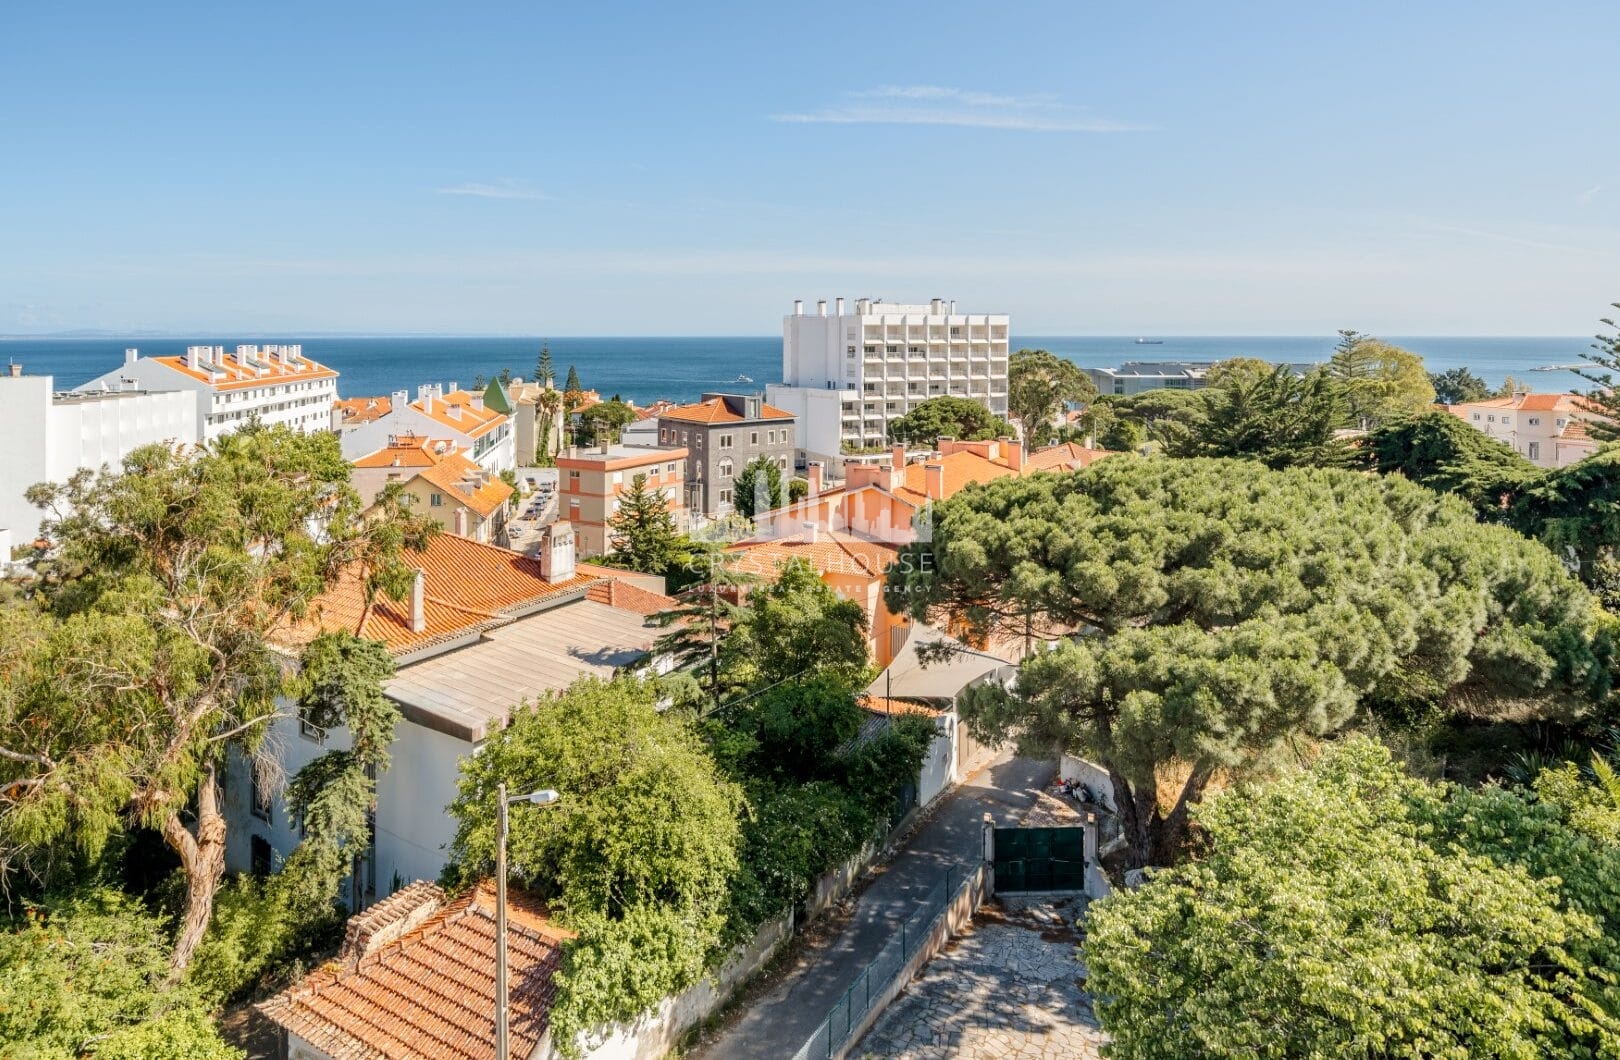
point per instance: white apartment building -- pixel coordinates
(441, 410)
(275, 384)
(846, 375)
(47, 436)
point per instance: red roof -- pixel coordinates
(627, 596)
(363, 409)
(715, 410)
(1065, 457)
(430, 993)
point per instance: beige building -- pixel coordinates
(462, 497)
(591, 482)
(1549, 430)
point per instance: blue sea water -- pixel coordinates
(645, 369)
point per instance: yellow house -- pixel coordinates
(462, 498)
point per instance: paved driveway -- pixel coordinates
(777, 1024)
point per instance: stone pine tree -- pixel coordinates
(1457, 385)
(1229, 609)
(1278, 418)
(757, 488)
(642, 532)
(153, 661)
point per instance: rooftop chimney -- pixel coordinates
(839, 306)
(821, 307)
(953, 307)
(400, 399)
(557, 552)
(798, 307)
(193, 355)
(419, 602)
(934, 475)
(858, 473)
(131, 355)
(812, 475)
(1013, 453)
(16, 370)
(897, 457)
(937, 306)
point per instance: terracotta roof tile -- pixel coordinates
(961, 469)
(363, 409)
(430, 995)
(627, 596)
(237, 375)
(408, 450)
(457, 411)
(1065, 457)
(882, 705)
(467, 586)
(470, 485)
(715, 410)
(829, 553)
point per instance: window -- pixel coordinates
(683, 437)
(573, 480)
(892, 349)
(259, 856)
(1535, 421)
(724, 468)
(669, 469)
(1491, 418)
(753, 437)
(725, 496)
(1476, 417)
(1534, 451)
(663, 435)
(436, 500)
(871, 349)
(309, 729)
(850, 350)
(770, 437)
(725, 441)
(258, 795)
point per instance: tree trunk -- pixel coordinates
(1151, 838)
(203, 857)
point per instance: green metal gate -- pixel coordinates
(1040, 859)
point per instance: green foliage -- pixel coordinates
(1380, 382)
(1232, 608)
(1605, 353)
(1124, 423)
(948, 417)
(154, 661)
(1575, 510)
(262, 935)
(796, 727)
(760, 479)
(798, 489)
(1237, 370)
(1039, 384)
(642, 532)
(83, 976)
(796, 833)
(637, 856)
(1455, 386)
(1440, 451)
(696, 629)
(544, 371)
(795, 626)
(1279, 418)
(605, 418)
(1348, 911)
(572, 385)
(1122, 435)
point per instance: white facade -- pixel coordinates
(274, 384)
(882, 360)
(483, 435)
(48, 436)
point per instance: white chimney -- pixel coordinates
(419, 602)
(798, 307)
(193, 356)
(131, 355)
(953, 307)
(937, 306)
(557, 552)
(821, 307)
(400, 399)
(838, 307)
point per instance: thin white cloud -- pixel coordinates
(499, 189)
(1589, 194)
(940, 105)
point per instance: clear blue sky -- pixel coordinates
(557, 168)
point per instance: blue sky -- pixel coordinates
(549, 168)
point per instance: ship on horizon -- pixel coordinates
(1150, 342)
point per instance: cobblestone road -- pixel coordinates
(1008, 989)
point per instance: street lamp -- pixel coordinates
(543, 797)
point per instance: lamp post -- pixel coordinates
(543, 797)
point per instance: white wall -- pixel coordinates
(819, 415)
(939, 770)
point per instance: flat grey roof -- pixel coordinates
(471, 691)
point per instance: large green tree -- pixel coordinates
(151, 659)
(1348, 911)
(1603, 397)
(637, 856)
(796, 626)
(760, 476)
(1380, 382)
(948, 417)
(545, 372)
(642, 532)
(1457, 385)
(1440, 451)
(1039, 384)
(605, 419)
(82, 977)
(1224, 609)
(1279, 418)
(695, 630)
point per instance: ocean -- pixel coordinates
(646, 369)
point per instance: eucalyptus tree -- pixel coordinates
(1220, 609)
(151, 655)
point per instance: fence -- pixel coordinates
(873, 986)
(1040, 859)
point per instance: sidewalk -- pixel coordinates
(777, 1024)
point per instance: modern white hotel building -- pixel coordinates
(846, 375)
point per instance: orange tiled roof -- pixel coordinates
(431, 992)
(469, 419)
(409, 450)
(363, 409)
(456, 475)
(715, 410)
(1576, 431)
(829, 553)
(1063, 457)
(627, 596)
(236, 375)
(466, 586)
(883, 705)
(961, 469)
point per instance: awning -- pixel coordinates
(909, 678)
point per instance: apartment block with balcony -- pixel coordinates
(849, 373)
(591, 481)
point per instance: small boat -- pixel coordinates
(743, 379)
(1150, 342)
(1566, 367)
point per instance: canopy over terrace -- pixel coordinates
(909, 677)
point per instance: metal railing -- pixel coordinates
(868, 986)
